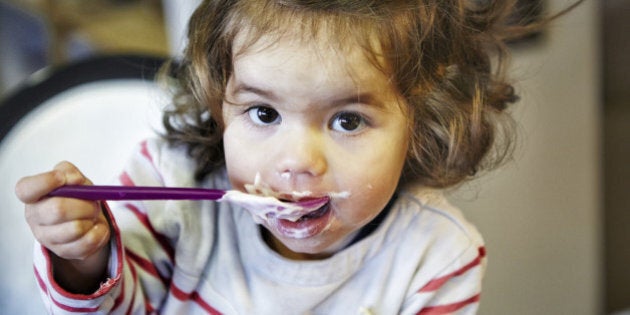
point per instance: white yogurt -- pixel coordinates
(263, 208)
(263, 203)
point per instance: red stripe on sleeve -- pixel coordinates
(119, 299)
(147, 266)
(149, 308)
(134, 276)
(125, 179)
(161, 239)
(145, 151)
(194, 296)
(448, 308)
(64, 307)
(436, 283)
(40, 281)
(74, 309)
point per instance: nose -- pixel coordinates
(301, 153)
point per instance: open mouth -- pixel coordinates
(304, 224)
(304, 209)
(297, 214)
(316, 213)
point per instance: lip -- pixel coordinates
(304, 227)
(301, 208)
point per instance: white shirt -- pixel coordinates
(190, 257)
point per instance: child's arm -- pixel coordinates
(138, 256)
(76, 232)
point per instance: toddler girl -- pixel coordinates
(367, 108)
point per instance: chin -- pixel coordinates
(311, 248)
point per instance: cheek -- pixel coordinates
(374, 178)
(240, 162)
(379, 167)
(371, 189)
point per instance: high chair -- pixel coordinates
(91, 113)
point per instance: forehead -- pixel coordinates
(345, 34)
(314, 63)
(292, 44)
(323, 47)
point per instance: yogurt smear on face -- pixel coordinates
(264, 204)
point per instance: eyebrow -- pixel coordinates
(366, 98)
(360, 98)
(244, 88)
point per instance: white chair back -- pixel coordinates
(93, 125)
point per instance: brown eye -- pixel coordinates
(347, 122)
(262, 115)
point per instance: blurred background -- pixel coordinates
(556, 219)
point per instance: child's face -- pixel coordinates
(310, 119)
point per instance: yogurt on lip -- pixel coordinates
(302, 229)
(264, 208)
(264, 204)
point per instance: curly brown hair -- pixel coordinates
(447, 58)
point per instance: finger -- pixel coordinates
(57, 210)
(63, 233)
(30, 189)
(73, 176)
(88, 244)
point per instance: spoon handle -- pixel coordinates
(136, 193)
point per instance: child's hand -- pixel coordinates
(70, 228)
(76, 231)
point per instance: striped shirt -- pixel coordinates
(203, 257)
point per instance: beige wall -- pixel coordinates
(541, 214)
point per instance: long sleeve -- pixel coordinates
(203, 257)
(59, 301)
(455, 290)
(140, 265)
